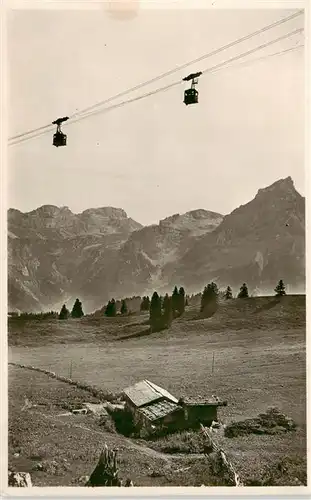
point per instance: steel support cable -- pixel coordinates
(213, 69)
(194, 61)
(163, 75)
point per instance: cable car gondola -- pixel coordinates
(191, 96)
(59, 138)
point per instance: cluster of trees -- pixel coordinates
(111, 308)
(145, 304)
(162, 310)
(178, 301)
(30, 315)
(77, 311)
(210, 295)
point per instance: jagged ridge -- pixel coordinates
(56, 255)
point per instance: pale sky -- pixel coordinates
(153, 157)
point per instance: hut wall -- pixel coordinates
(200, 414)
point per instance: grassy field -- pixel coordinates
(260, 361)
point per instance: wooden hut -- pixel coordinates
(154, 409)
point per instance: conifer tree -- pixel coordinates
(181, 301)
(228, 293)
(145, 304)
(155, 312)
(214, 289)
(243, 294)
(108, 308)
(124, 309)
(111, 308)
(77, 311)
(64, 313)
(280, 289)
(209, 295)
(175, 301)
(167, 311)
(165, 301)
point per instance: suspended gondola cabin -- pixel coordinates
(191, 96)
(59, 138)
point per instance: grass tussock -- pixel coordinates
(188, 442)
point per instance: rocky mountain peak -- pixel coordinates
(115, 213)
(101, 252)
(49, 211)
(281, 188)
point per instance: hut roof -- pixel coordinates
(159, 409)
(146, 392)
(199, 401)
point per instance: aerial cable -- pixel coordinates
(163, 75)
(251, 51)
(104, 110)
(252, 61)
(194, 61)
(212, 69)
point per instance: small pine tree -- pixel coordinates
(108, 308)
(209, 296)
(204, 298)
(165, 301)
(64, 313)
(181, 301)
(161, 301)
(77, 311)
(155, 312)
(143, 304)
(243, 294)
(228, 293)
(214, 289)
(167, 312)
(124, 307)
(113, 308)
(175, 300)
(280, 289)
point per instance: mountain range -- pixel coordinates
(55, 255)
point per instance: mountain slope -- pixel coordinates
(259, 243)
(51, 251)
(56, 256)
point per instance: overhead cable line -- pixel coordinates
(257, 59)
(194, 61)
(259, 47)
(167, 73)
(212, 69)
